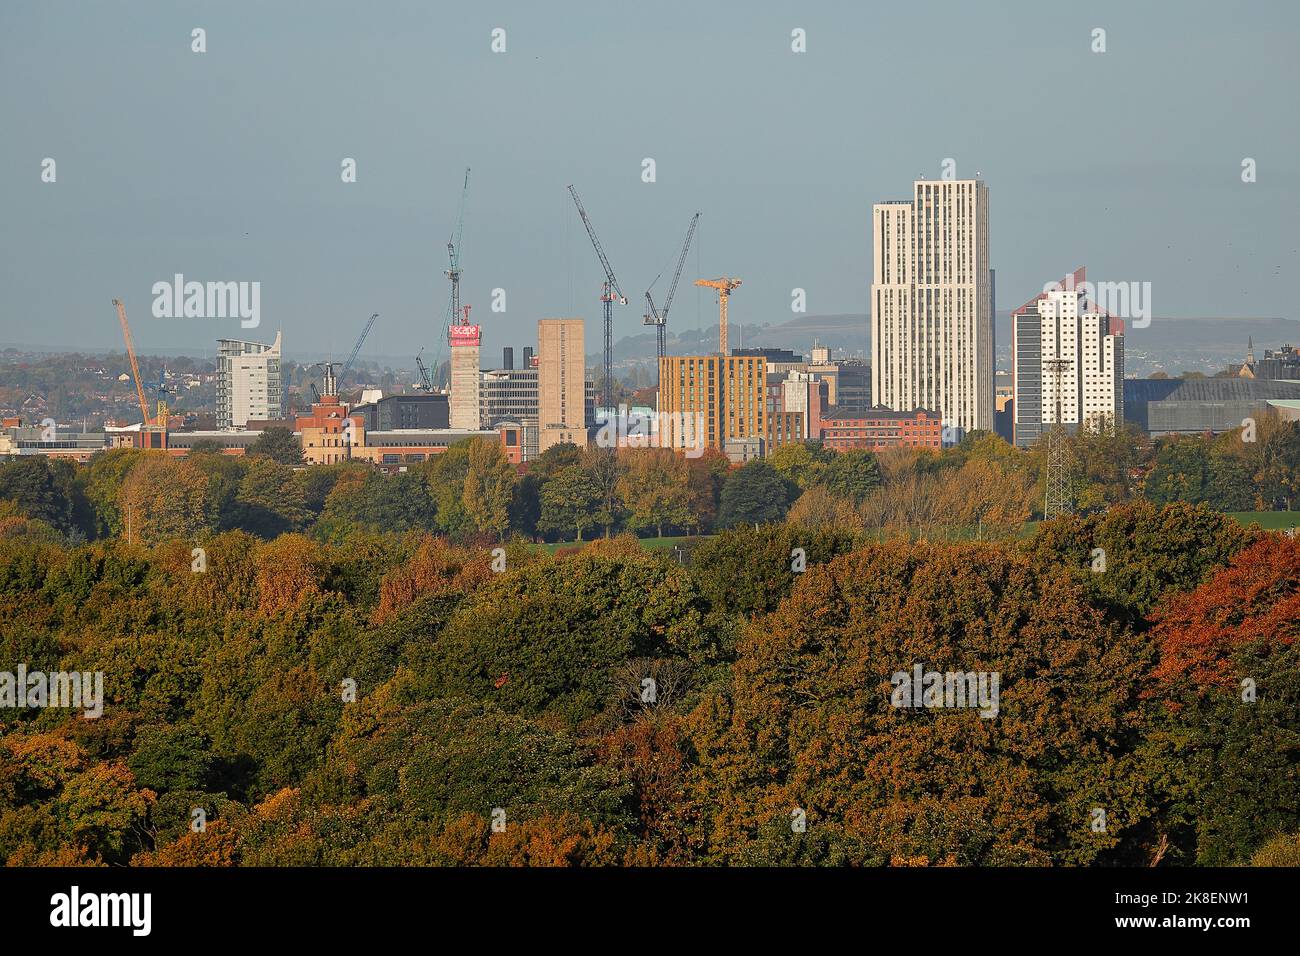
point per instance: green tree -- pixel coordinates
(852, 474)
(489, 487)
(801, 463)
(754, 494)
(570, 499)
(270, 502)
(278, 444)
(44, 489)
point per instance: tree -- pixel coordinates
(1179, 472)
(801, 463)
(604, 469)
(813, 718)
(445, 475)
(817, 508)
(45, 490)
(543, 641)
(851, 474)
(570, 499)
(653, 489)
(164, 497)
(225, 473)
(754, 494)
(270, 501)
(102, 480)
(1275, 460)
(278, 444)
(489, 487)
(1139, 552)
(367, 499)
(705, 477)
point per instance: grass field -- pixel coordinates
(1269, 520)
(651, 544)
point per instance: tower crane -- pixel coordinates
(453, 252)
(356, 349)
(655, 317)
(426, 383)
(725, 285)
(610, 293)
(130, 352)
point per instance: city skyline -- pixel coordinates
(225, 173)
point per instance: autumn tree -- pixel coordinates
(163, 497)
(812, 722)
(653, 489)
(489, 487)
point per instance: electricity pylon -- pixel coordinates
(1058, 501)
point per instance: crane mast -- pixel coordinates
(610, 292)
(453, 253)
(660, 319)
(724, 286)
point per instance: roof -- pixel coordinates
(1208, 390)
(853, 414)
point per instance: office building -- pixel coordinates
(932, 304)
(879, 428)
(420, 410)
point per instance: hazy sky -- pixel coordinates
(225, 165)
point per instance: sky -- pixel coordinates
(226, 165)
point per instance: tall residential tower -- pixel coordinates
(1061, 336)
(932, 304)
(249, 382)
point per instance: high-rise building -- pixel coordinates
(715, 397)
(1061, 337)
(249, 382)
(561, 378)
(931, 304)
(464, 343)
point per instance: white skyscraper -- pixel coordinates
(1062, 324)
(249, 383)
(932, 304)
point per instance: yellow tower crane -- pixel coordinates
(130, 353)
(724, 287)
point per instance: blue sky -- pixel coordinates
(226, 165)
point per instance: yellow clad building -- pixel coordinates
(721, 395)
